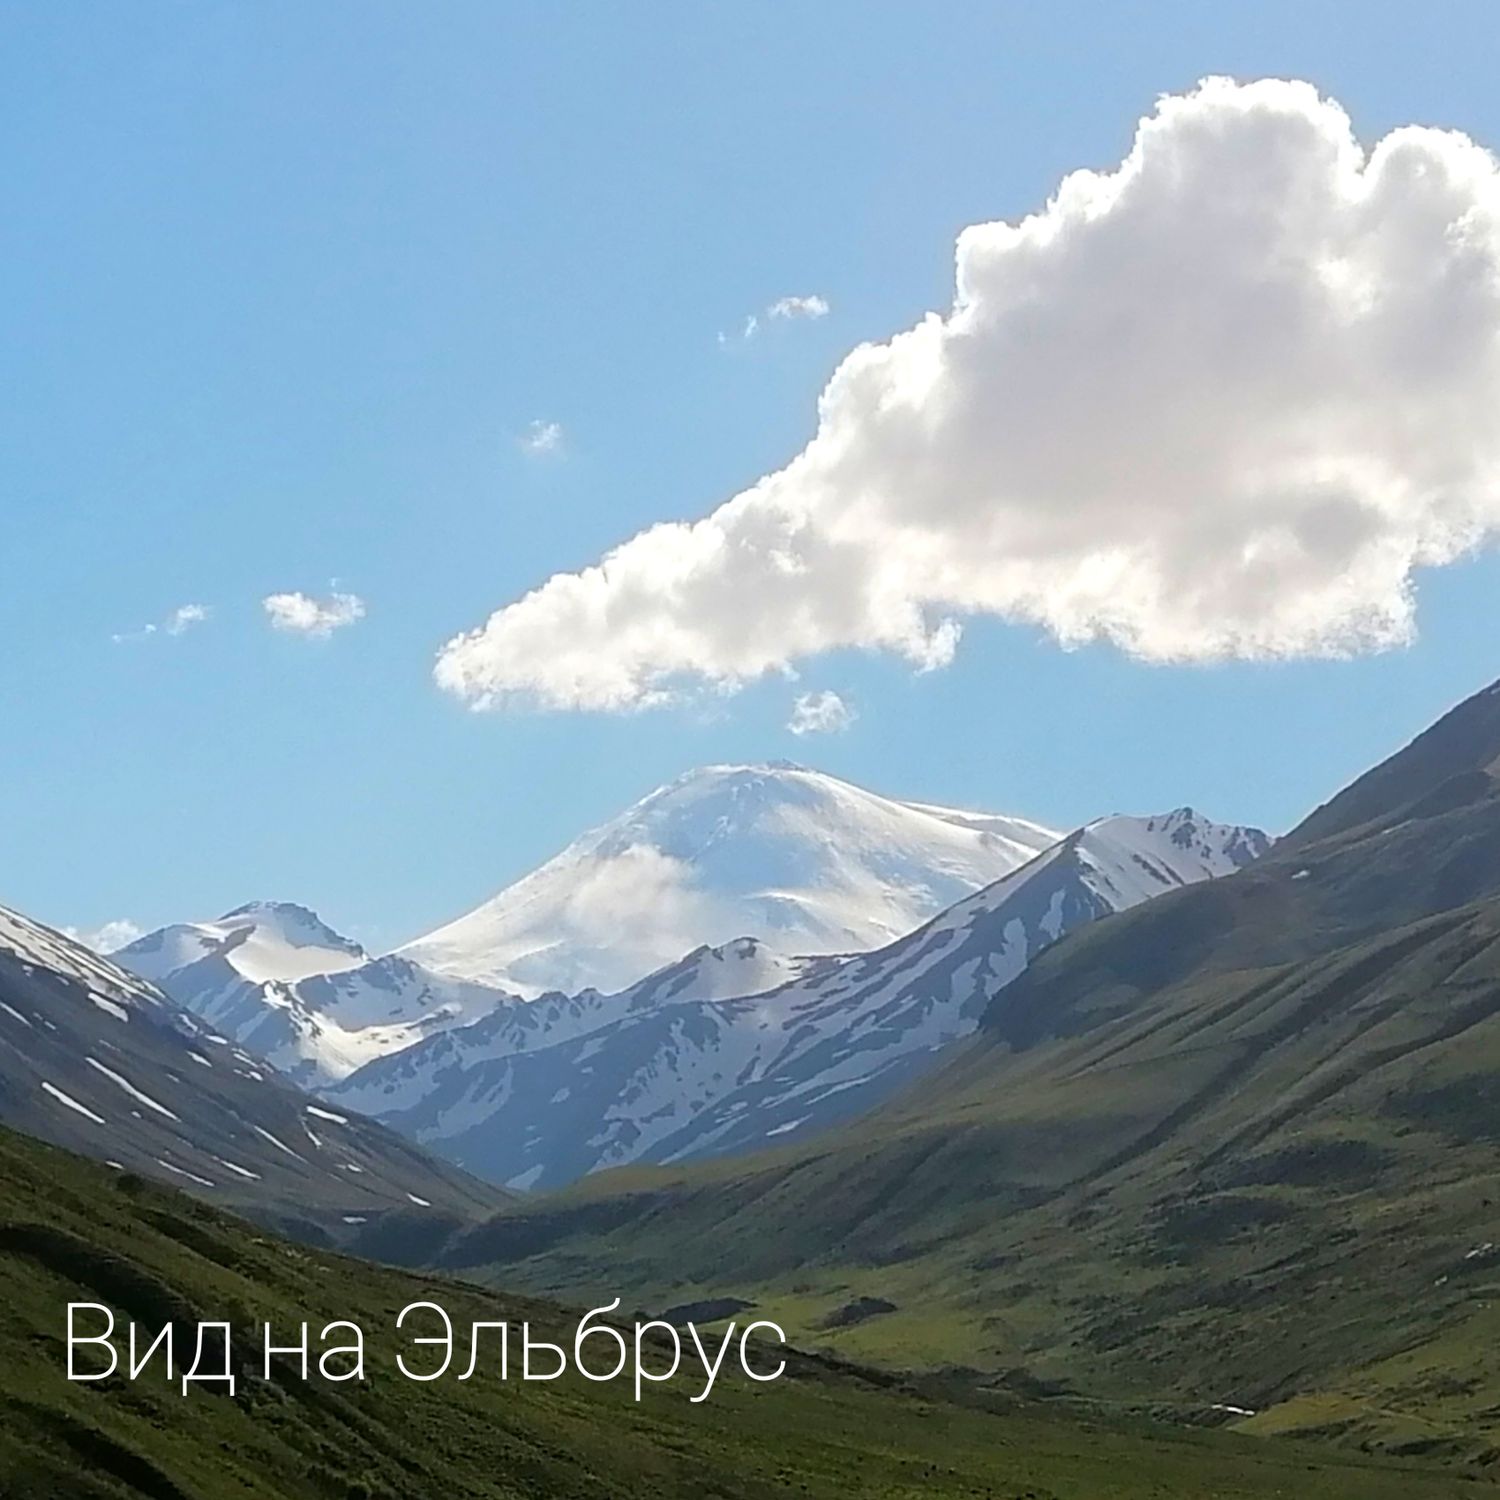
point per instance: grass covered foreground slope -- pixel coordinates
(70, 1230)
(1239, 1146)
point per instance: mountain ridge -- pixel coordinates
(94, 1058)
(632, 1077)
(792, 859)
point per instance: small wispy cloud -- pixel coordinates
(783, 309)
(812, 307)
(181, 620)
(317, 619)
(109, 938)
(542, 439)
(184, 617)
(820, 713)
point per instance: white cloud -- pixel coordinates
(109, 938)
(628, 914)
(317, 618)
(542, 438)
(181, 620)
(812, 306)
(820, 713)
(1220, 402)
(184, 617)
(782, 309)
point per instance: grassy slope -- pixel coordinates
(1239, 1145)
(70, 1231)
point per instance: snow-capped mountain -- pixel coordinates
(706, 975)
(98, 1060)
(289, 989)
(263, 941)
(678, 1066)
(795, 858)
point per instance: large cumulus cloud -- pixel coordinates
(1221, 401)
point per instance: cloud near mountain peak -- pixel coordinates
(1222, 401)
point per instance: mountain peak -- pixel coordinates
(298, 925)
(272, 908)
(750, 768)
(769, 850)
(263, 941)
(724, 776)
(1199, 848)
(746, 768)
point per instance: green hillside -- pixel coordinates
(1240, 1146)
(72, 1231)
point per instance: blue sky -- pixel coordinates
(285, 287)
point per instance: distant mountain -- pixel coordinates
(802, 861)
(266, 940)
(284, 985)
(1239, 1143)
(96, 1059)
(732, 1048)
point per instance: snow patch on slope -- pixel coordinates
(38, 947)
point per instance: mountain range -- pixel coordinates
(739, 1042)
(1235, 1146)
(732, 1048)
(801, 862)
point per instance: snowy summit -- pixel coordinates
(799, 859)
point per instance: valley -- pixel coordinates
(71, 1230)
